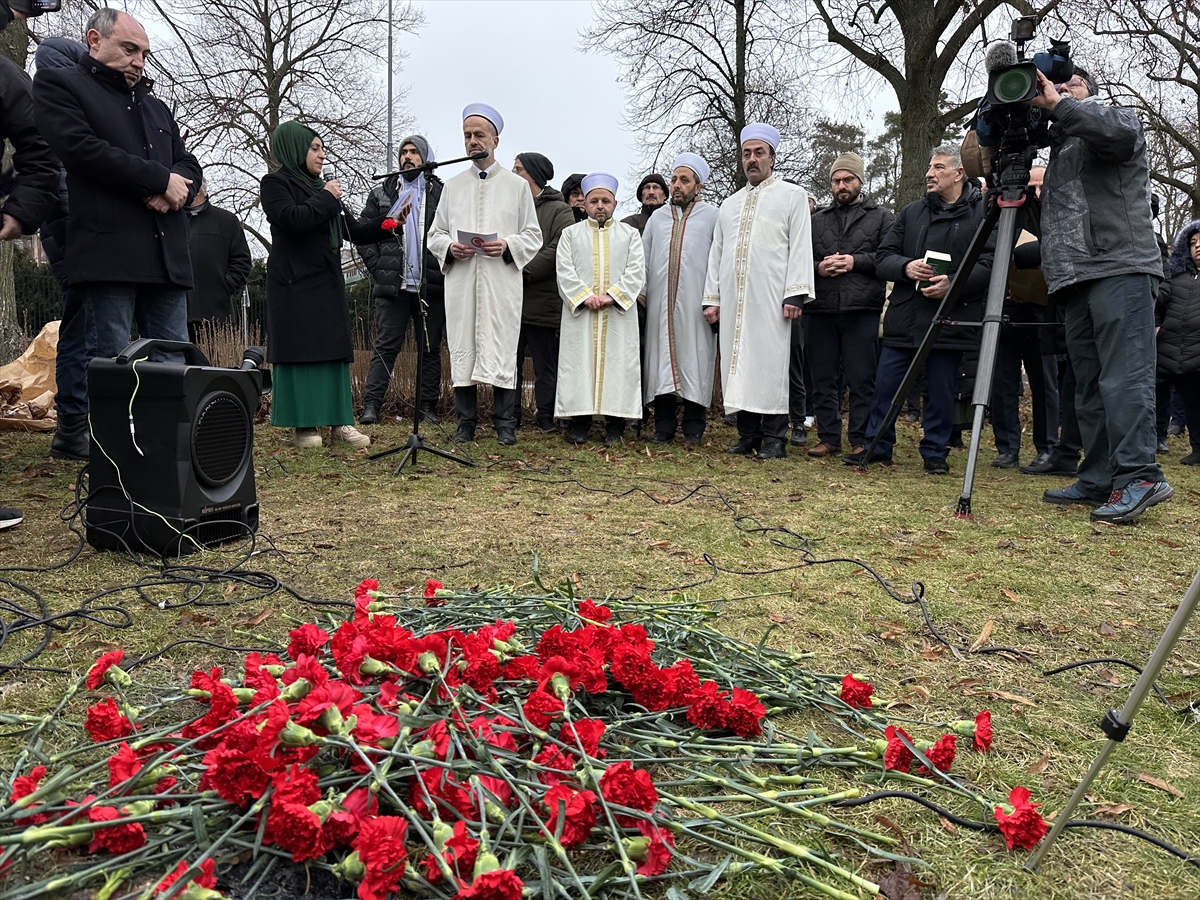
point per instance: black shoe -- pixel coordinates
(1175, 429)
(956, 441)
(745, 446)
(693, 440)
(856, 458)
(661, 437)
(1072, 494)
(1192, 459)
(577, 436)
(1051, 464)
(10, 518)
(936, 465)
(370, 414)
(730, 420)
(612, 436)
(1162, 447)
(772, 448)
(1005, 461)
(506, 436)
(547, 426)
(465, 434)
(428, 414)
(71, 438)
(799, 436)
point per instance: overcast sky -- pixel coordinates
(523, 59)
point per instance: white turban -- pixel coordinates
(693, 162)
(599, 180)
(760, 132)
(488, 112)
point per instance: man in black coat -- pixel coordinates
(221, 262)
(651, 193)
(397, 285)
(129, 178)
(944, 220)
(842, 321)
(32, 198)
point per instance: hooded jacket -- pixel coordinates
(541, 303)
(32, 198)
(385, 260)
(1177, 312)
(858, 230)
(929, 224)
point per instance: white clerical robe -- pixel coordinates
(483, 293)
(680, 345)
(599, 365)
(761, 253)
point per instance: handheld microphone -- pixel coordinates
(1000, 55)
(252, 358)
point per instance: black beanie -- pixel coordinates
(540, 169)
(571, 183)
(652, 178)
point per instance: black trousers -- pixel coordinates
(1070, 441)
(798, 401)
(541, 343)
(665, 408)
(762, 425)
(1187, 388)
(1017, 347)
(842, 346)
(392, 317)
(504, 406)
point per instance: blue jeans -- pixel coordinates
(112, 306)
(941, 374)
(1110, 339)
(70, 365)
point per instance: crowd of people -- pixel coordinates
(798, 307)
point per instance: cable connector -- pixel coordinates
(1113, 727)
(133, 436)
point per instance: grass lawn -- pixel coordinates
(1035, 577)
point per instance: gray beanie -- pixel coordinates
(420, 143)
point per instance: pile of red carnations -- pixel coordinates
(479, 745)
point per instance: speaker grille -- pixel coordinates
(221, 438)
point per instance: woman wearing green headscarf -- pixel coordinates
(308, 319)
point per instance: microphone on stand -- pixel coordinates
(430, 166)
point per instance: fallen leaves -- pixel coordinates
(1160, 784)
(195, 618)
(983, 635)
(1114, 809)
(1040, 766)
(258, 618)
(1011, 595)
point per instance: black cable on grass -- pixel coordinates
(993, 827)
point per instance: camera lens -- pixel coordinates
(1014, 85)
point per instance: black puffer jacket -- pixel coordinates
(928, 224)
(858, 230)
(385, 260)
(541, 303)
(1178, 311)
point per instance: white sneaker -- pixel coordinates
(10, 518)
(809, 421)
(307, 438)
(350, 435)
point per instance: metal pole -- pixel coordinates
(391, 67)
(246, 316)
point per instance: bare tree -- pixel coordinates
(241, 67)
(914, 45)
(697, 71)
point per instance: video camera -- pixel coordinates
(1012, 83)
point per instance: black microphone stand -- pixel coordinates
(415, 442)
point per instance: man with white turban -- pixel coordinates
(681, 347)
(601, 270)
(483, 280)
(760, 273)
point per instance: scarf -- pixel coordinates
(289, 146)
(413, 189)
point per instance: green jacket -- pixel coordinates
(542, 304)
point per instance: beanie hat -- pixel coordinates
(652, 178)
(850, 162)
(540, 169)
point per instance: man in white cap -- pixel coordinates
(483, 279)
(760, 273)
(601, 270)
(681, 347)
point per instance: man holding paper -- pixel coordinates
(484, 232)
(913, 255)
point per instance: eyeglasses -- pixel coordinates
(848, 180)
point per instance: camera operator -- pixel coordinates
(1102, 265)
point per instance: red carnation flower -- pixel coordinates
(897, 756)
(105, 722)
(857, 693)
(557, 642)
(95, 676)
(123, 765)
(589, 609)
(745, 713)
(432, 586)
(380, 847)
(586, 732)
(941, 754)
(559, 763)
(443, 790)
(500, 884)
(709, 707)
(308, 639)
(389, 224)
(685, 683)
(24, 785)
(460, 853)
(522, 668)
(234, 774)
(623, 785)
(659, 842)
(365, 586)
(116, 839)
(222, 703)
(206, 878)
(296, 829)
(296, 784)
(982, 741)
(580, 813)
(1024, 826)
(540, 708)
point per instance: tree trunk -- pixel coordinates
(921, 133)
(739, 90)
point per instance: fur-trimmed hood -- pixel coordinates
(1180, 256)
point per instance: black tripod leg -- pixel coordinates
(982, 398)
(982, 233)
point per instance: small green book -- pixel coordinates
(939, 262)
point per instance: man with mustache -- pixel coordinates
(760, 273)
(483, 280)
(397, 266)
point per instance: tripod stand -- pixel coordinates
(1005, 203)
(415, 443)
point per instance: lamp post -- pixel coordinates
(391, 66)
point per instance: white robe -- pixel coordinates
(483, 293)
(761, 253)
(599, 365)
(681, 348)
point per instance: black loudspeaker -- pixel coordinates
(171, 466)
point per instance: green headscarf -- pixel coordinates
(289, 145)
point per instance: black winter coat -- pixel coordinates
(385, 260)
(541, 304)
(33, 198)
(119, 146)
(857, 230)
(1178, 311)
(308, 318)
(928, 224)
(220, 262)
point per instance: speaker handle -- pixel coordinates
(142, 348)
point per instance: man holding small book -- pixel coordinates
(920, 254)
